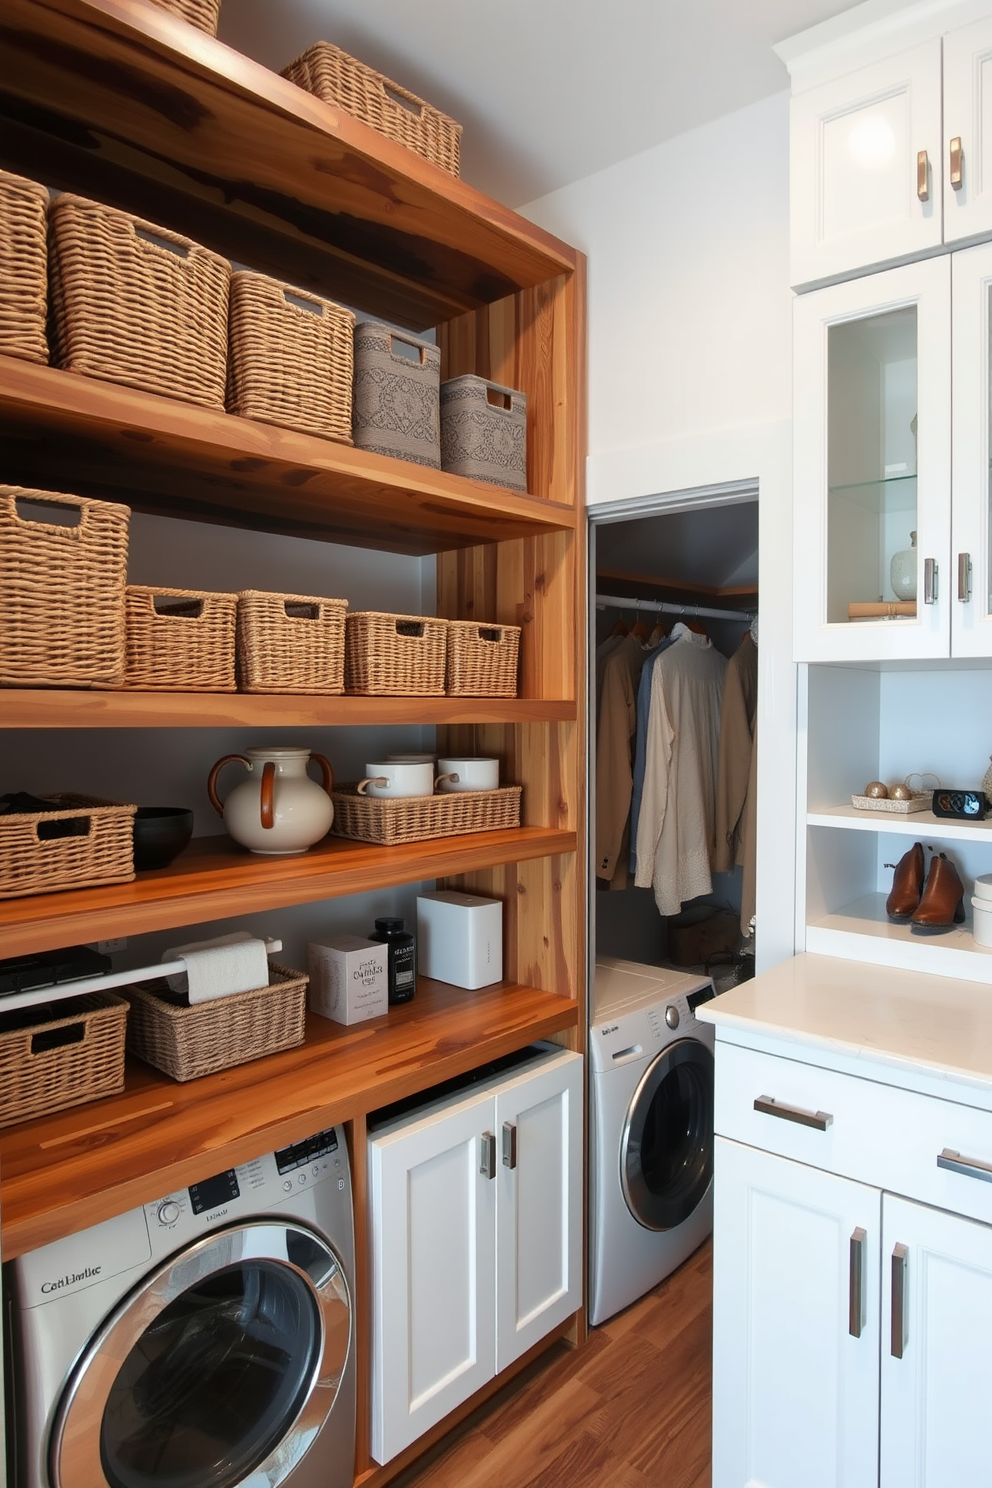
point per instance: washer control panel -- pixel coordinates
(635, 1033)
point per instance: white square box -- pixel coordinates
(460, 938)
(348, 978)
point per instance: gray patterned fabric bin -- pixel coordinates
(484, 431)
(397, 379)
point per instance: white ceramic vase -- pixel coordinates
(902, 571)
(278, 809)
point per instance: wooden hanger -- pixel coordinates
(620, 628)
(640, 628)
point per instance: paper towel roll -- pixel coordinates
(220, 967)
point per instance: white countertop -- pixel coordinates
(908, 1022)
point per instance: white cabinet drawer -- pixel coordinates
(857, 1128)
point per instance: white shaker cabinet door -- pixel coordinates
(866, 167)
(538, 1205)
(968, 131)
(936, 1348)
(971, 530)
(796, 1325)
(433, 1206)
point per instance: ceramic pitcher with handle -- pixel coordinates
(278, 809)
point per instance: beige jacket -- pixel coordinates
(731, 844)
(614, 774)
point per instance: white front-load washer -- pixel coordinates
(651, 1129)
(205, 1340)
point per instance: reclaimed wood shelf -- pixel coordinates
(121, 101)
(215, 879)
(64, 432)
(67, 1171)
(53, 707)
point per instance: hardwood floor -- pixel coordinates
(629, 1410)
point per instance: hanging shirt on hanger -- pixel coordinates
(614, 739)
(677, 815)
(740, 702)
(641, 742)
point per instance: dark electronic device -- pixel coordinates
(50, 968)
(966, 805)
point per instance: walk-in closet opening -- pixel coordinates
(672, 744)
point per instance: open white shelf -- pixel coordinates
(861, 931)
(916, 824)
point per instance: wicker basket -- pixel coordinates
(484, 431)
(23, 268)
(290, 643)
(180, 640)
(396, 403)
(62, 1059)
(291, 357)
(389, 820)
(61, 590)
(394, 655)
(97, 848)
(482, 659)
(203, 14)
(187, 1042)
(137, 304)
(348, 84)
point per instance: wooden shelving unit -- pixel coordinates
(118, 100)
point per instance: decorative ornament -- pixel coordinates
(900, 792)
(987, 782)
(877, 790)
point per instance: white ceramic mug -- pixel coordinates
(467, 774)
(392, 778)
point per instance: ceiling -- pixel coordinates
(549, 91)
(714, 546)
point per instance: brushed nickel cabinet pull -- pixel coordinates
(957, 164)
(487, 1155)
(898, 1333)
(769, 1106)
(509, 1145)
(856, 1292)
(968, 1167)
(964, 577)
(923, 175)
(929, 581)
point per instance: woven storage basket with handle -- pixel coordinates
(137, 304)
(337, 78)
(484, 431)
(291, 357)
(203, 14)
(63, 566)
(73, 1054)
(83, 842)
(187, 1042)
(23, 268)
(397, 378)
(402, 655)
(482, 659)
(290, 643)
(180, 640)
(389, 820)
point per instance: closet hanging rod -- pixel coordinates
(669, 607)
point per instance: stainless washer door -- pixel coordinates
(666, 1149)
(217, 1370)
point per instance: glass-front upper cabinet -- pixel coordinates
(872, 466)
(971, 555)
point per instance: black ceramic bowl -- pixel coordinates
(160, 834)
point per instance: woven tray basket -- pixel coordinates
(343, 81)
(203, 14)
(187, 1042)
(23, 268)
(137, 304)
(61, 591)
(183, 643)
(290, 643)
(389, 820)
(396, 409)
(482, 659)
(63, 1061)
(99, 851)
(291, 357)
(397, 655)
(484, 431)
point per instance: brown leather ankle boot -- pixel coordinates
(907, 885)
(941, 905)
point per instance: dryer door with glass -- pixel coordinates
(218, 1369)
(666, 1149)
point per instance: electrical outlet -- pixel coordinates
(108, 947)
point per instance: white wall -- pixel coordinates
(690, 384)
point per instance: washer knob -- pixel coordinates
(672, 1015)
(168, 1212)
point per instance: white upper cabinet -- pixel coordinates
(891, 142)
(971, 560)
(865, 167)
